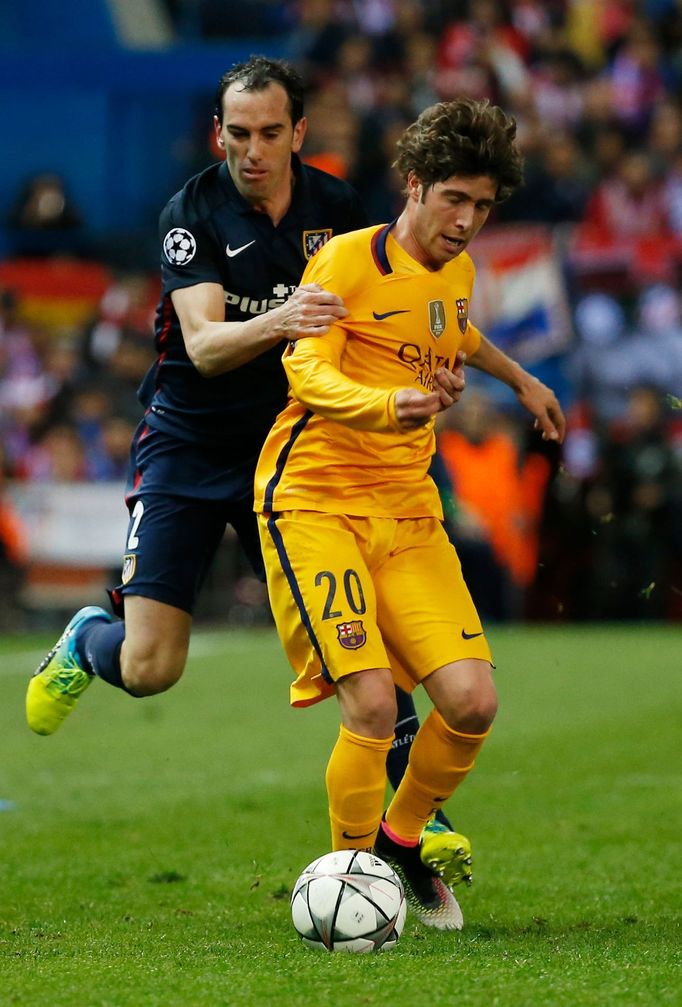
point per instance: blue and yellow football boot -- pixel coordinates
(60, 678)
(447, 853)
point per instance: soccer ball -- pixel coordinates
(349, 901)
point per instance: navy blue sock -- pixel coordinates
(406, 726)
(99, 645)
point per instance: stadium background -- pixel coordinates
(105, 111)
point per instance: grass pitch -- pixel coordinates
(149, 847)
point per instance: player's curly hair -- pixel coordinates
(255, 74)
(462, 137)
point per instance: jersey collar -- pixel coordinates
(378, 248)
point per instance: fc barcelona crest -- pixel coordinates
(462, 313)
(351, 635)
(436, 318)
(314, 240)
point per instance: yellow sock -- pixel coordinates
(356, 785)
(440, 758)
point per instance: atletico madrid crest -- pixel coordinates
(314, 240)
(462, 313)
(128, 571)
(351, 635)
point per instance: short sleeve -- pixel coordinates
(189, 250)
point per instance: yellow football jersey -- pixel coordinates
(337, 446)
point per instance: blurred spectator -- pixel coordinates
(474, 441)
(658, 338)
(631, 203)
(664, 141)
(377, 182)
(613, 357)
(45, 220)
(26, 387)
(605, 144)
(420, 66)
(357, 72)
(558, 91)
(641, 534)
(556, 187)
(637, 78)
(483, 57)
(13, 559)
(58, 456)
(672, 195)
(407, 21)
(318, 34)
(333, 127)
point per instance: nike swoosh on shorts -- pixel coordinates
(470, 636)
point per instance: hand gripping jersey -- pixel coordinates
(337, 447)
(210, 234)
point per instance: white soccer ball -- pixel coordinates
(349, 901)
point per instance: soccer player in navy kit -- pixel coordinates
(235, 241)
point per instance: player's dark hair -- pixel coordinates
(462, 137)
(255, 74)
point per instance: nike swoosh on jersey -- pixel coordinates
(387, 314)
(470, 636)
(231, 252)
(363, 836)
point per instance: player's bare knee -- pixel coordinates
(473, 708)
(474, 713)
(368, 703)
(478, 716)
(464, 694)
(377, 720)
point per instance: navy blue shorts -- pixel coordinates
(178, 515)
(171, 544)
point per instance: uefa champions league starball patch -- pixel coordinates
(179, 246)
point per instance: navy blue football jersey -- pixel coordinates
(210, 234)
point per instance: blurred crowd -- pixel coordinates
(593, 531)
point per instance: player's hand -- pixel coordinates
(310, 311)
(414, 409)
(542, 403)
(449, 385)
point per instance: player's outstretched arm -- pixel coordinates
(537, 398)
(215, 346)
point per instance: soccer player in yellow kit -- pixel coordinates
(365, 587)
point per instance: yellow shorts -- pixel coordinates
(353, 593)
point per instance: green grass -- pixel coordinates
(152, 844)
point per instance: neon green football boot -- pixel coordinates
(447, 853)
(60, 678)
